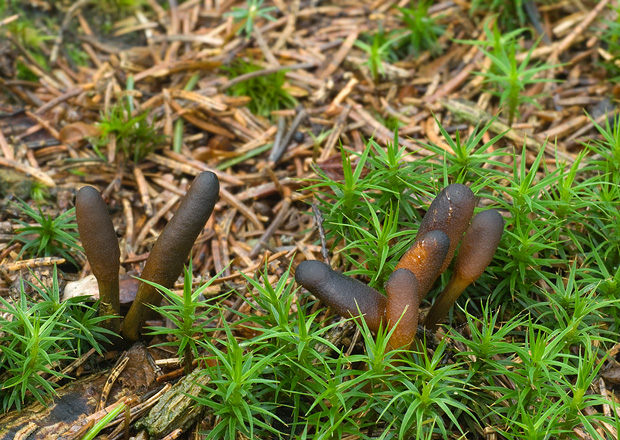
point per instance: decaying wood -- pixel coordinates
(176, 409)
(72, 410)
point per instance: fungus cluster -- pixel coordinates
(165, 261)
(441, 230)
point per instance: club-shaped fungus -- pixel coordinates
(101, 247)
(475, 254)
(438, 236)
(450, 213)
(402, 307)
(165, 261)
(346, 296)
(425, 258)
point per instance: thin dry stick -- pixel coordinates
(168, 186)
(8, 20)
(201, 166)
(202, 39)
(129, 226)
(280, 133)
(201, 100)
(262, 44)
(30, 131)
(190, 169)
(32, 263)
(7, 151)
(291, 19)
(375, 128)
(186, 114)
(275, 224)
(216, 251)
(35, 173)
(143, 191)
(80, 427)
(153, 220)
(73, 365)
(456, 80)
(51, 130)
(257, 141)
(62, 98)
(570, 38)
(341, 96)
(563, 129)
(583, 130)
(339, 56)
(224, 229)
(266, 189)
(264, 72)
(110, 380)
(173, 29)
(65, 24)
(244, 210)
(336, 132)
(318, 219)
(278, 150)
(135, 412)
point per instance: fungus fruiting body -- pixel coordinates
(425, 258)
(350, 297)
(402, 307)
(166, 259)
(101, 247)
(450, 213)
(441, 230)
(476, 252)
(347, 296)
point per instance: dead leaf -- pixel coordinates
(77, 132)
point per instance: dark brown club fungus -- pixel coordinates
(425, 259)
(170, 252)
(101, 247)
(450, 213)
(475, 254)
(438, 236)
(343, 294)
(402, 307)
